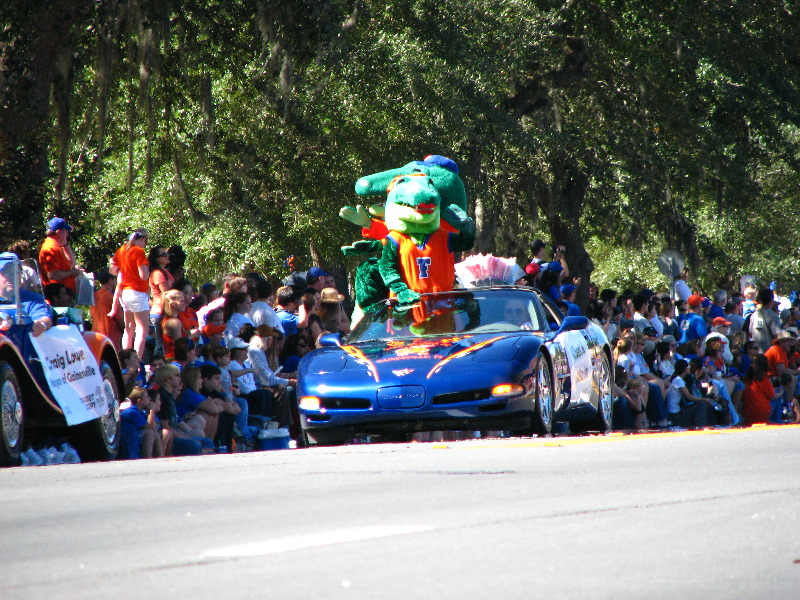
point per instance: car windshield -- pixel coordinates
(472, 311)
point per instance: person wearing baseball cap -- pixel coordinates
(32, 304)
(693, 326)
(568, 291)
(783, 345)
(317, 278)
(56, 259)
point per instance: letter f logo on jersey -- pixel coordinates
(423, 264)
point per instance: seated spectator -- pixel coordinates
(132, 372)
(231, 283)
(235, 313)
(188, 438)
(221, 356)
(665, 359)
(139, 433)
(602, 314)
(214, 334)
(282, 389)
(778, 360)
(188, 315)
(211, 386)
(259, 400)
(172, 328)
(760, 402)
(194, 408)
(684, 408)
(185, 352)
(295, 348)
(636, 392)
(715, 366)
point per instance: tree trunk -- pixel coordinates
(38, 32)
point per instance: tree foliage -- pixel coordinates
(238, 129)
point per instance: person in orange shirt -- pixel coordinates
(778, 358)
(103, 299)
(56, 258)
(759, 400)
(133, 280)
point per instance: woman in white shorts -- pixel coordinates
(134, 274)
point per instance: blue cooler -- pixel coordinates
(274, 439)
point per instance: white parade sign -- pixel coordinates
(72, 373)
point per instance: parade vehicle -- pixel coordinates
(493, 358)
(29, 410)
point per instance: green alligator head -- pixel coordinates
(413, 205)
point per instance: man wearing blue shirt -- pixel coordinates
(33, 305)
(693, 327)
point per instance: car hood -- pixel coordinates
(430, 353)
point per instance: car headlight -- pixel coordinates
(507, 390)
(309, 403)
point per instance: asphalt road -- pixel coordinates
(689, 515)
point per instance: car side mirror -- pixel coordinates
(330, 339)
(573, 324)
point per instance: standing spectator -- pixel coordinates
(693, 326)
(287, 303)
(749, 300)
(317, 278)
(667, 315)
(539, 253)
(261, 311)
(604, 317)
(680, 287)
(56, 259)
(134, 274)
(568, 292)
(295, 348)
(717, 308)
(160, 282)
(103, 299)
(764, 322)
(329, 310)
(733, 313)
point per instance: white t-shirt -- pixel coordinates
(674, 395)
(262, 313)
(247, 382)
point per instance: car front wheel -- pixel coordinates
(545, 402)
(12, 429)
(98, 439)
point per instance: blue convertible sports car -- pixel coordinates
(483, 358)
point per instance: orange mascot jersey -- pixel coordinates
(429, 267)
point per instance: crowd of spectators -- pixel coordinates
(205, 370)
(208, 368)
(685, 358)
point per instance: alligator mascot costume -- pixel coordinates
(424, 223)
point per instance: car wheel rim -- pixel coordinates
(11, 415)
(545, 395)
(606, 404)
(111, 418)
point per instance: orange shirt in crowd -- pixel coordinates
(776, 355)
(157, 278)
(756, 399)
(101, 322)
(55, 257)
(129, 260)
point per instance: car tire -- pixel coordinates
(605, 400)
(98, 440)
(12, 417)
(544, 415)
